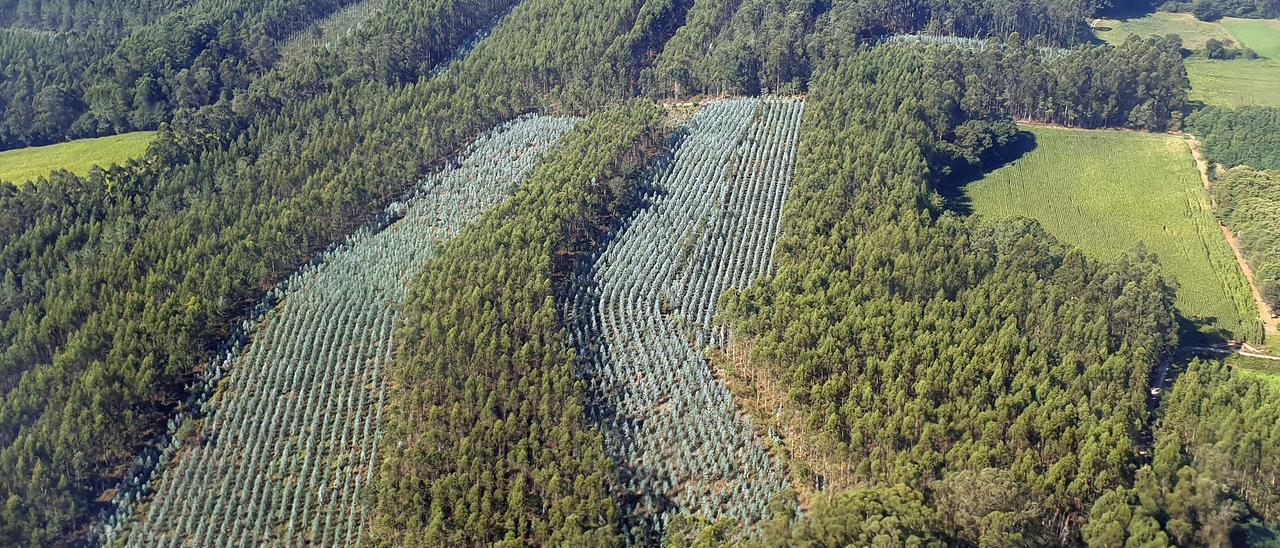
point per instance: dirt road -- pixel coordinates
(1270, 325)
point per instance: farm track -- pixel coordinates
(642, 315)
(1269, 322)
(1270, 325)
(290, 440)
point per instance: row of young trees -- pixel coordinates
(487, 439)
(641, 312)
(119, 285)
(918, 345)
(290, 443)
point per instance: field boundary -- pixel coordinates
(1265, 314)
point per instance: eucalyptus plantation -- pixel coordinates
(290, 435)
(643, 313)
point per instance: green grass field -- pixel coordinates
(1263, 35)
(27, 164)
(1233, 83)
(1194, 32)
(1106, 191)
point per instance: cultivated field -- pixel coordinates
(79, 156)
(291, 432)
(1241, 82)
(1268, 370)
(642, 317)
(1108, 191)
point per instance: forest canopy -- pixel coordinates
(967, 381)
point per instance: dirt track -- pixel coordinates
(1269, 323)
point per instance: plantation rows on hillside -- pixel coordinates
(291, 435)
(642, 313)
(126, 283)
(486, 438)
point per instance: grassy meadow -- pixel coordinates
(1225, 83)
(1108, 191)
(79, 156)
(1235, 83)
(1194, 32)
(1263, 35)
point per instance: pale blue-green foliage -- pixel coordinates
(642, 316)
(289, 438)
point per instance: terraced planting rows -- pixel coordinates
(290, 437)
(642, 316)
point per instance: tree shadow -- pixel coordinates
(1121, 10)
(1128, 9)
(1201, 331)
(1254, 532)
(952, 187)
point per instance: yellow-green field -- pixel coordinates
(27, 164)
(1194, 32)
(1263, 35)
(1233, 83)
(1106, 191)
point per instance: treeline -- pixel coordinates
(131, 75)
(1216, 464)
(1060, 23)
(1141, 84)
(487, 438)
(1248, 202)
(1243, 136)
(744, 47)
(122, 283)
(919, 345)
(1213, 10)
(71, 15)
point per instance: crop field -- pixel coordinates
(642, 317)
(1263, 35)
(290, 434)
(1194, 32)
(28, 164)
(1108, 191)
(1241, 82)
